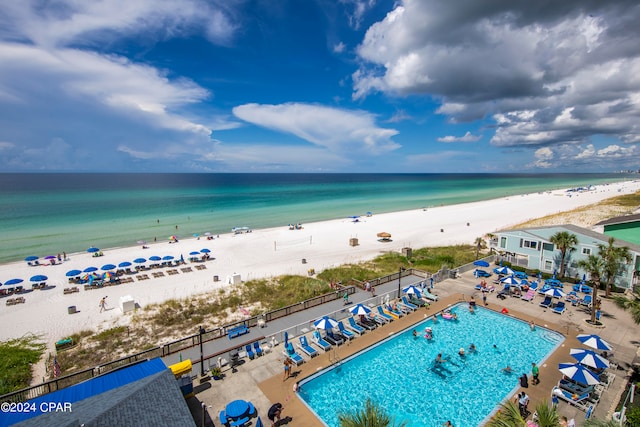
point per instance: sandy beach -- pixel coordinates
(265, 253)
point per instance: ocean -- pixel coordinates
(46, 214)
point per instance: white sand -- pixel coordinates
(265, 253)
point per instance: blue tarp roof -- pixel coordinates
(84, 390)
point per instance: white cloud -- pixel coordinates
(468, 137)
(357, 10)
(333, 128)
(339, 47)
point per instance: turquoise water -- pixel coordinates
(399, 375)
(44, 214)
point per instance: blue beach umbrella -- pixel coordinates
(589, 358)
(39, 278)
(325, 323)
(12, 282)
(194, 253)
(481, 263)
(73, 273)
(124, 264)
(154, 258)
(167, 258)
(411, 290)
(90, 269)
(594, 341)
(93, 249)
(31, 258)
(504, 270)
(579, 373)
(286, 338)
(108, 267)
(140, 260)
(205, 251)
(359, 309)
(510, 281)
(555, 293)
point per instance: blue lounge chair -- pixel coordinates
(306, 348)
(384, 315)
(223, 418)
(395, 311)
(256, 347)
(290, 352)
(363, 325)
(586, 301)
(428, 295)
(345, 332)
(320, 342)
(409, 304)
(559, 308)
(353, 326)
(580, 401)
(250, 352)
(575, 388)
(547, 302)
(240, 422)
(332, 338)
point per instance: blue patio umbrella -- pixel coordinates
(12, 282)
(90, 269)
(504, 270)
(589, 358)
(39, 278)
(93, 249)
(325, 323)
(579, 373)
(594, 341)
(359, 309)
(286, 338)
(73, 273)
(411, 290)
(167, 258)
(481, 263)
(140, 260)
(510, 281)
(194, 253)
(555, 293)
(205, 251)
(124, 264)
(31, 258)
(154, 258)
(108, 267)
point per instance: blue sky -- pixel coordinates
(319, 86)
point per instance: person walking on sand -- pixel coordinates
(103, 304)
(287, 369)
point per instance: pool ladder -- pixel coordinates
(336, 358)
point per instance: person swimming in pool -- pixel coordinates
(439, 359)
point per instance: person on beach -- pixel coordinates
(287, 369)
(274, 413)
(103, 304)
(535, 371)
(345, 297)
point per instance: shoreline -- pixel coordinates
(267, 253)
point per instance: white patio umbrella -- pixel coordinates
(579, 373)
(325, 323)
(589, 358)
(594, 341)
(360, 309)
(505, 270)
(411, 290)
(555, 293)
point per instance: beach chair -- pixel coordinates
(429, 296)
(258, 349)
(290, 352)
(345, 332)
(384, 315)
(579, 401)
(559, 308)
(586, 301)
(360, 327)
(223, 418)
(575, 388)
(306, 348)
(250, 352)
(397, 310)
(388, 312)
(408, 303)
(546, 303)
(320, 342)
(529, 295)
(332, 338)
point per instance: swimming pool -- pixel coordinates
(399, 375)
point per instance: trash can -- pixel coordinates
(304, 260)
(186, 385)
(71, 309)
(407, 252)
(353, 241)
(216, 278)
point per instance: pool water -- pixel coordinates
(399, 373)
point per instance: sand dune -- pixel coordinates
(265, 253)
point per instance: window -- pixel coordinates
(503, 242)
(548, 265)
(586, 251)
(529, 244)
(547, 246)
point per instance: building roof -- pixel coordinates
(146, 394)
(620, 219)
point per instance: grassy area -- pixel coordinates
(16, 358)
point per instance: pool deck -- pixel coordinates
(261, 380)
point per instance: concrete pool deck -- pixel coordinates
(261, 380)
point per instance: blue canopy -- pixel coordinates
(124, 264)
(140, 260)
(154, 258)
(90, 269)
(167, 258)
(93, 249)
(12, 282)
(39, 278)
(194, 253)
(108, 267)
(205, 251)
(73, 273)
(31, 258)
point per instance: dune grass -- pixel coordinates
(16, 358)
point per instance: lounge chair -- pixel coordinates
(573, 298)
(361, 325)
(290, 352)
(250, 352)
(586, 301)
(345, 332)
(320, 342)
(332, 338)
(384, 315)
(529, 295)
(306, 348)
(579, 401)
(223, 418)
(409, 304)
(575, 388)
(428, 295)
(258, 349)
(353, 326)
(395, 310)
(547, 302)
(418, 301)
(388, 312)
(559, 308)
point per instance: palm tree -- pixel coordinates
(371, 415)
(547, 415)
(633, 305)
(566, 242)
(613, 257)
(480, 244)
(594, 265)
(508, 416)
